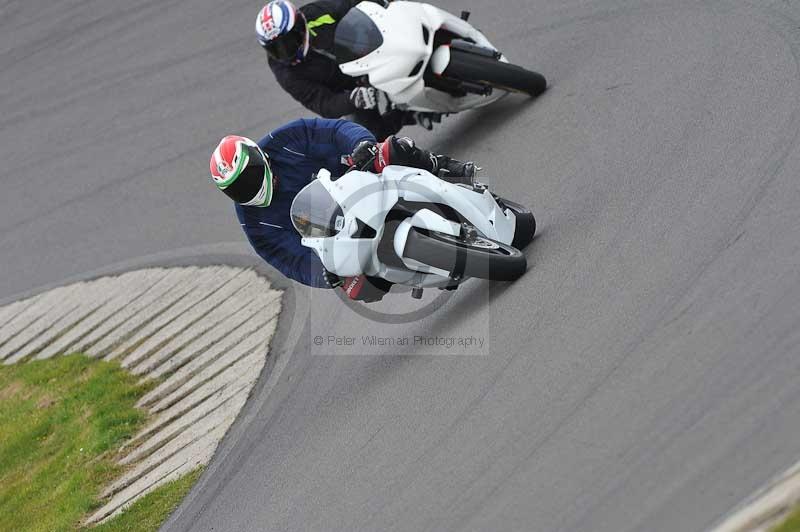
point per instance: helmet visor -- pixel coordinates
(253, 186)
(285, 48)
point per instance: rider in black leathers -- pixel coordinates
(299, 45)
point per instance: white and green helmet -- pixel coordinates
(241, 170)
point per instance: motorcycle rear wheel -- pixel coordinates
(481, 257)
(476, 68)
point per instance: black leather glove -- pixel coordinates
(366, 289)
(363, 155)
(371, 98)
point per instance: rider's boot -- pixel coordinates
(425, 120)
(454, 171)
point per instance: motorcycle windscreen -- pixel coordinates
(356, 36)
(315, 214)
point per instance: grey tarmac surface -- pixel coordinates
(642, 376)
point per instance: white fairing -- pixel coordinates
(369, 197)
(362, 196)
(389, 67)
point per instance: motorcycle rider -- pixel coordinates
(263, 178)
(299, 46)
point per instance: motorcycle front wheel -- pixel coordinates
(524, 221)
(505, 76)
(478, 257)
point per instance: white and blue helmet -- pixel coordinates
(282, 30)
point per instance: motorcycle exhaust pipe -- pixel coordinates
(474, 88)
(440, 60)
(465, 46)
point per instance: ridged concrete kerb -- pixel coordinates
(204, 331)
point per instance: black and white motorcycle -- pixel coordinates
(426, 59)
(409, 227)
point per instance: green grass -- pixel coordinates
(150, 511)
(61, 421)
(792, 524)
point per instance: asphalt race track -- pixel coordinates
(642, 376)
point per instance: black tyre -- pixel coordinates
(480, 257)
(482, 69)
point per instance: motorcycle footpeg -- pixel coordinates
(468, 232)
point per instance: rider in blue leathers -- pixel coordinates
(264, 177)
(296, 152)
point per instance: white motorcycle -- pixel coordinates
(426, 59)
(409, 227)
